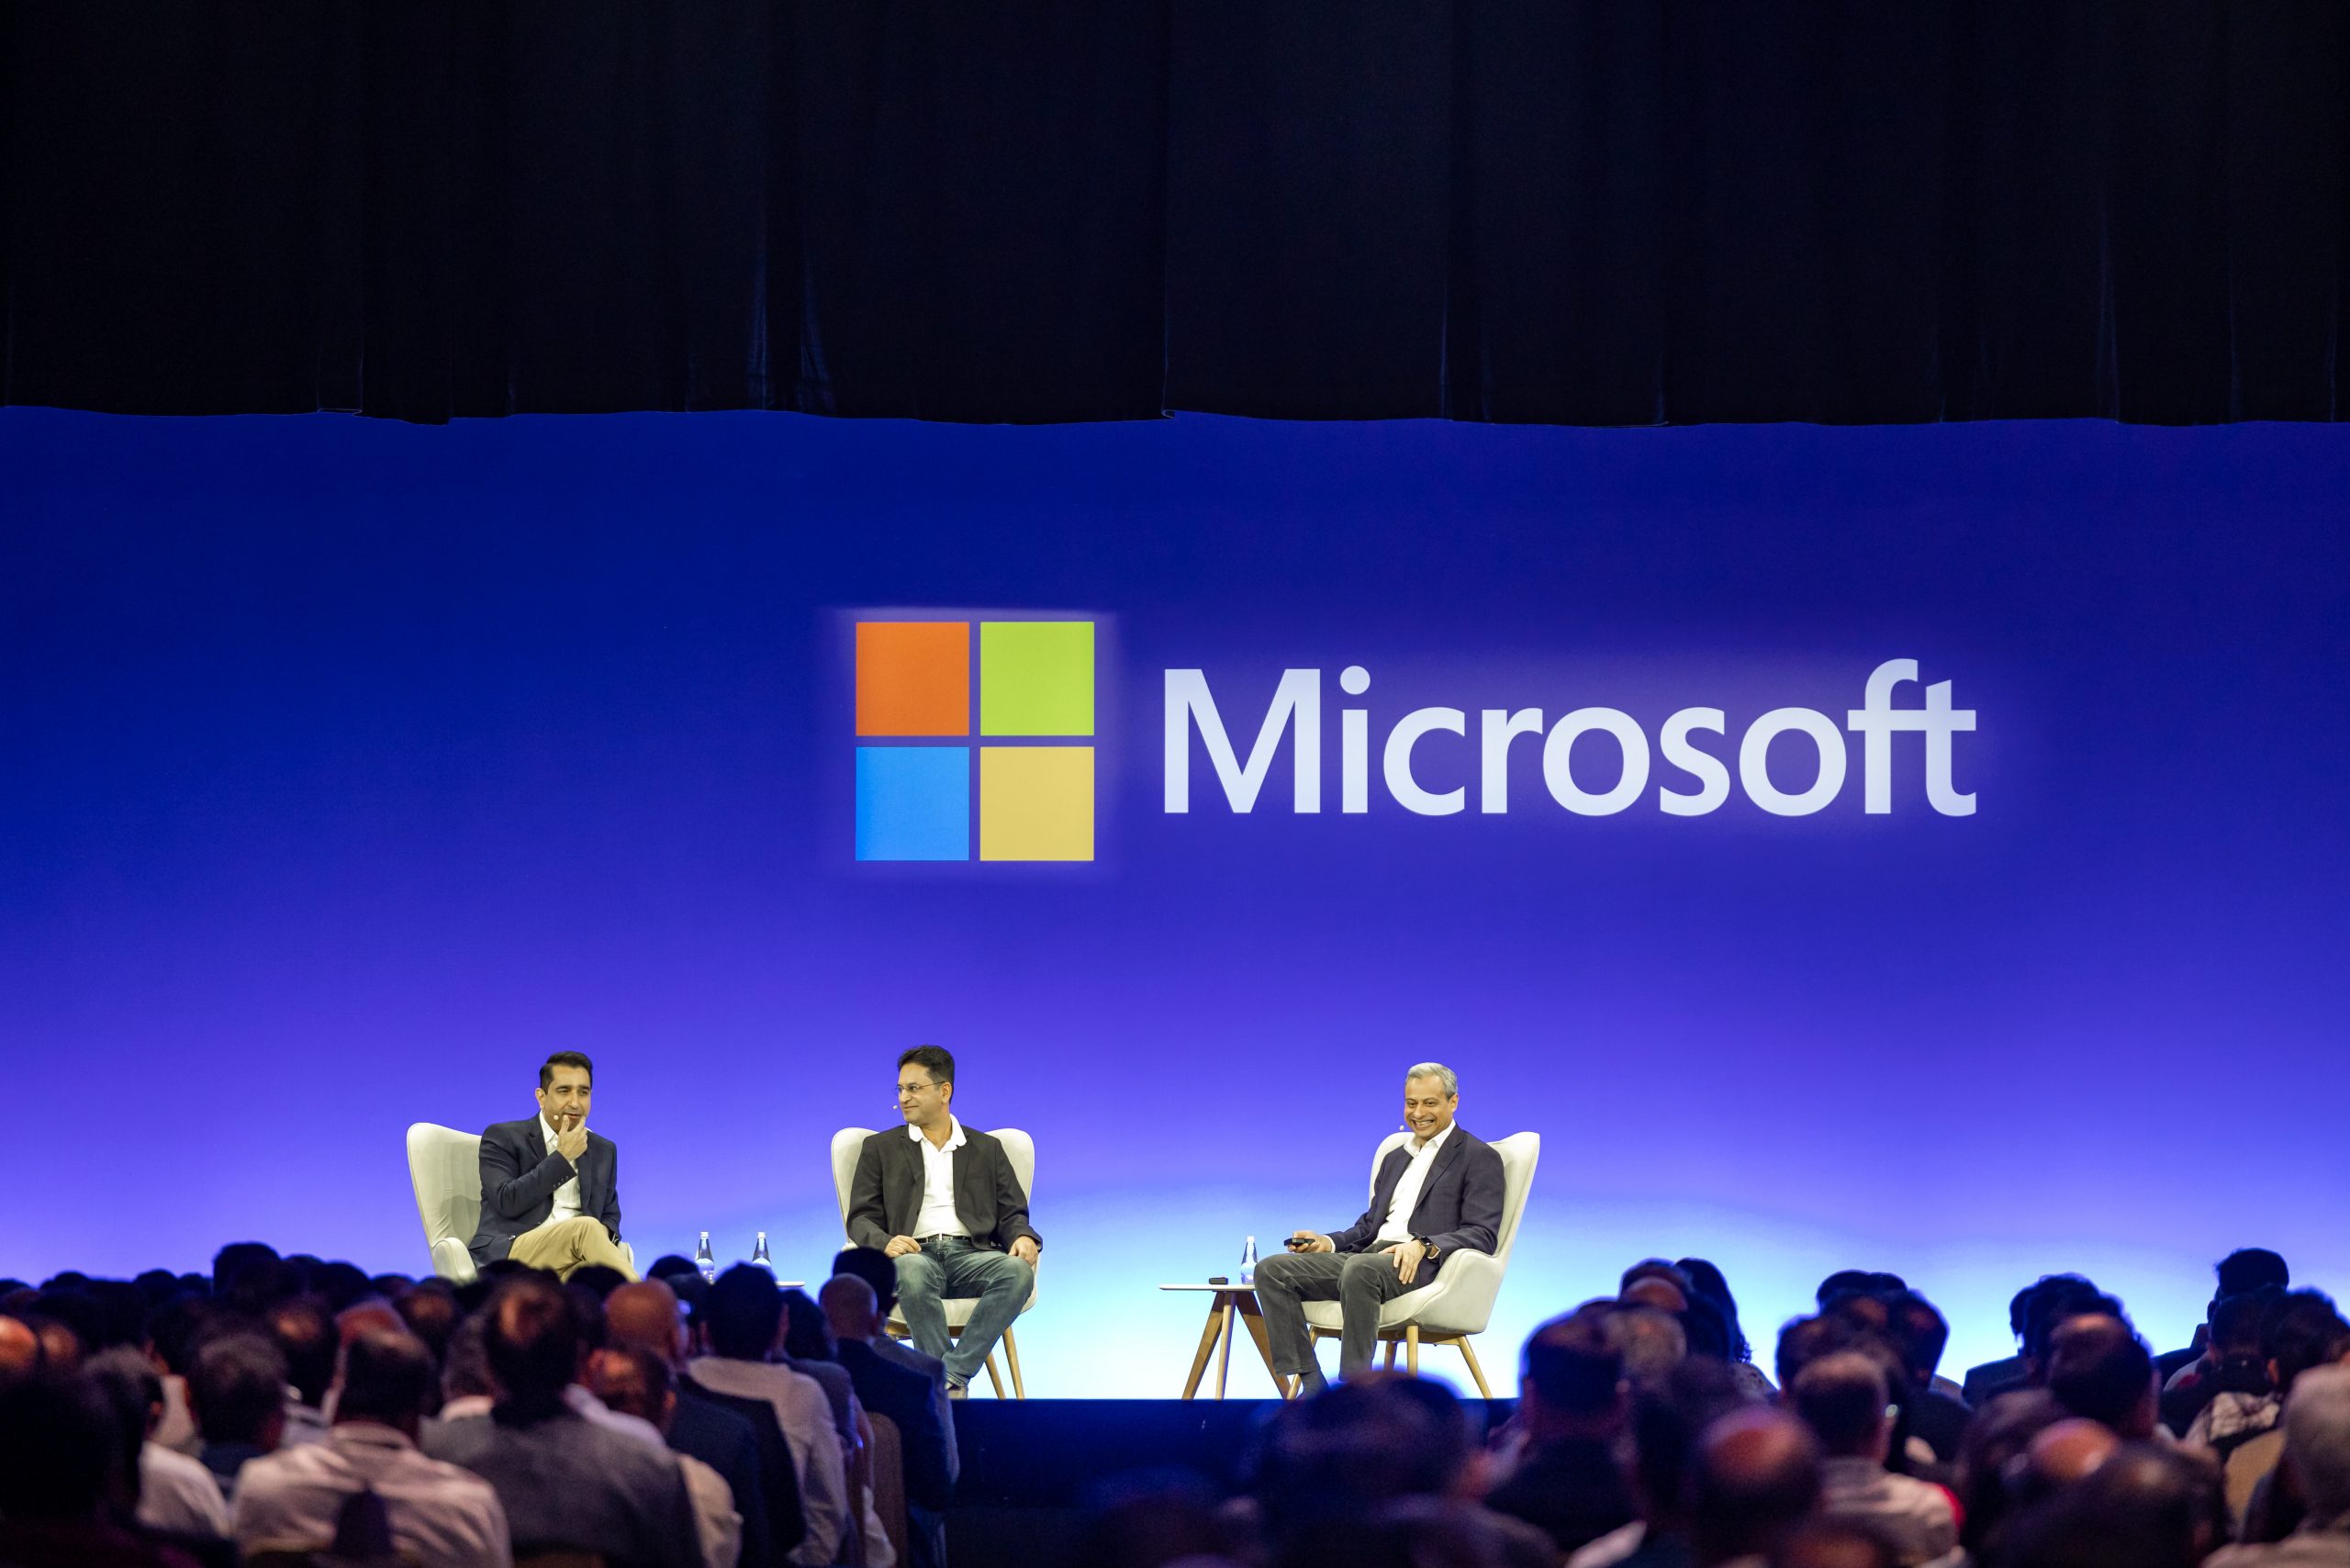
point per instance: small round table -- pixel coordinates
(1227, 1303)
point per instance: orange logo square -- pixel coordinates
(913, 677)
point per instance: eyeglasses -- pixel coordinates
(906, 1089)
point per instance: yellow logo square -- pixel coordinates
(1035, 802)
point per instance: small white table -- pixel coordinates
(1228, 1303)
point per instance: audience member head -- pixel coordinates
(1705, 1328)
(745, 1314)
(854, 1316)
(2301, 1331)
(1571, 1381)
(1655, 1282)
(430, 1312)
(1355, 1447)
(2248, 1269)
(1706, 1280)
(1920, 1333)
(1757, 1475)
(599, 1279)
(236, 1390)
(57, 1450)
(530, 1330)
(643, 1316)
(2317, 1442)
(2098, 1369)
(1995, 1442)
(1651, 1342)
(2060, 1298)
(306, 1336)
(1804, 1341)
(340, 1286)
(173, 1329)
(1841, 1397)
(668, 1265)
(2064, 1453)
(68, 1324)
(2146, 1507)
(634, 1381)
(22, 1357)
(1856, 1281)
(133, 1392)
(876, 1268)
(1667, 1419)
(386, 1377)
(807, 1337)
(247, 1276)
(1833, 1543)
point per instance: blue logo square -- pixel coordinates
(913, 802)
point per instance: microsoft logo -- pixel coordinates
(1035, 692)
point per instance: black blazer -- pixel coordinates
(517, 1182)
(885, 1194)
(1460, 1203)
(903, 1395)
(786, 1520)
(729, 1444)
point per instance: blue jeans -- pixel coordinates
(956, 1266)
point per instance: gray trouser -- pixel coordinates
(1360, 1283)
(958, 1266)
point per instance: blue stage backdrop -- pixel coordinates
(350, 768)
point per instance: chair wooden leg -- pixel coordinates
(994, 1381)
(1391, 1353)
(1474, 1370)
(1412, 1348)
(1011, 1354)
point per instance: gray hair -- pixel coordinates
(2317, 1439)
(1437, 1071)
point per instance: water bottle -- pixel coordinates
(759, 1255)
(705, 1259)
(1249, 1262)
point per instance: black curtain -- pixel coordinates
(1589, 213)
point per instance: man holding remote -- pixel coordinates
(1440, 1192)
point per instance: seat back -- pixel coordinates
(1519, 1151)
(445, 1165)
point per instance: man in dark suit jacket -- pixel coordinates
(904, 1396)
(941, 1198)
(550, 1189)
(1438, 1193)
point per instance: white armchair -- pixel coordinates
(1460, 1302)
(1018, 1147)
(445, 1165)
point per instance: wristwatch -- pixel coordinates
(1427, 1247)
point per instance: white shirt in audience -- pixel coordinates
(715, 1521)
(178, 1496)
(1407, 1191)
(938, 1216)
(805, 1418)
(438, 1513)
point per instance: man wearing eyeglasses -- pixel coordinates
(1438, 1191)
(941, 1198)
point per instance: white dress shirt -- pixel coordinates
(805, 1415)
(1408, 1192)
(566, 1197)
(938, 1216)
(438, 1513)
(177, 1495)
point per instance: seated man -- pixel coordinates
(743, 1321)
(565, 1482)
(943, 1201)
(1438, 1193)
(236, 1390)
(903, 1396)
(294, 1499)
(550, 1189)
(1842, 1398)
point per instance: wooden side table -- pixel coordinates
(1228, 1303)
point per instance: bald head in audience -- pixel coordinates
(20, 1351)
(644, 1315)
(1758, 1474)
(2069, 1450)
(2317, 1440)
(851, 1309)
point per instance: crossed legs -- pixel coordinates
(570, 1245)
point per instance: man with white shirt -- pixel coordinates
(1440, 1192)
(550, 1189)
(294, 1499)
(941, 1199)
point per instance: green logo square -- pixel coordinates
(1037, 677)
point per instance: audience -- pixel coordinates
(290, 1405)
(1573, 1403)
(308, 1497)
(564, 1481)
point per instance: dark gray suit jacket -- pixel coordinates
(519, 1177)
(1460, 1202)
(885, 1194)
